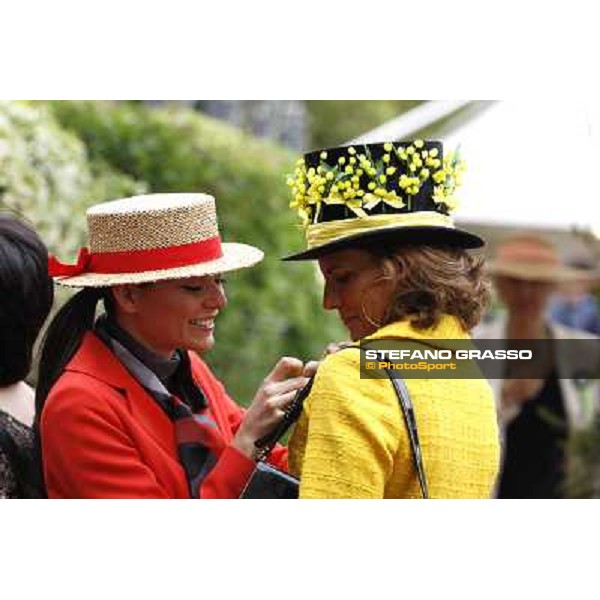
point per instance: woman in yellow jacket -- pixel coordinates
(377, 220)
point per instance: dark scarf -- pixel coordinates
(199, 441)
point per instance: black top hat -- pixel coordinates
(395, 192)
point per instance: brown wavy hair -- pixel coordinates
(432, 282)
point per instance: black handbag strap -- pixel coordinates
(413, 433)
(292, 413)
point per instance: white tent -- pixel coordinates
(532, 164)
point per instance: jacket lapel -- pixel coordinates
(97, 361)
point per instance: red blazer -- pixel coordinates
(103, 436)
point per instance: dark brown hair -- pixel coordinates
(26, 296)
(436, 281)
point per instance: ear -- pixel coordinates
(127, 298)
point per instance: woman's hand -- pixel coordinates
(269, 404)
(336, 347)
(310, 368)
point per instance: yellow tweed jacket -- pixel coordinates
(351, 440)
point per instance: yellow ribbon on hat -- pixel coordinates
(332, 231)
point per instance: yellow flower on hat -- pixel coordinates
(360, 182)
(439, 176)
(440, 197)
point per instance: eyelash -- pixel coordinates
(342, 279)
(199, 288)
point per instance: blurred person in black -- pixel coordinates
(536, 415)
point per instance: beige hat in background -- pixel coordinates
(532, 258)
(151, 238)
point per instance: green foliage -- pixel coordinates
(334, 122)
(46, 178)
(274, 308)
(583, 473)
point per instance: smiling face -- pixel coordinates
(355, 286)
(166, 315)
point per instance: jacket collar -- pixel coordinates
(443, 335)
(95, 359)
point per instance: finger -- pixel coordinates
(331, 348)
(282, 387)
(286, 367)
(310, 368)
(337, 346)
(281, 401)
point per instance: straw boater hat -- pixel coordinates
(150, 238)
(389, 192)
(532, 258)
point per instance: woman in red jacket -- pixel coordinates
(125, 408)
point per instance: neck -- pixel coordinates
(18, 401)
(523, 327)
(132, 332)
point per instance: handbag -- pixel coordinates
(268, 482)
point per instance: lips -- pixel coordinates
(204, 324)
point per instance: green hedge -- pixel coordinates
(274, 308)
(46, 177)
